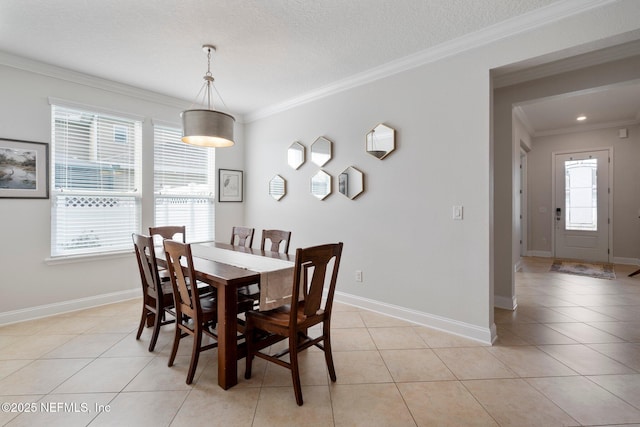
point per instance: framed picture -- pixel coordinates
(229, 185)
(24, 169)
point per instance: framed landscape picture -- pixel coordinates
(229, 185)
(24, 169)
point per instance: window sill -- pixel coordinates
(71, 259)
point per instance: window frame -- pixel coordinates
(130, 193)
(168, 133)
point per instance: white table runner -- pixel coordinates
(276, 275)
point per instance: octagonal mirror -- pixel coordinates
(381, 140)
(351, 182)
(321, 184)
(295, 155)
(321, 151)
(277, 187)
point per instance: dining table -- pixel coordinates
(226, 268)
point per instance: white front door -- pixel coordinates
(581, 209)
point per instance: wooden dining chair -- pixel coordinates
(292, 321)
(157, 296)
(276, 238)
(177, 233)
(197, 315)
(242, 236)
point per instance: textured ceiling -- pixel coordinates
(269, 51)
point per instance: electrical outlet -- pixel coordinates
(358, 275)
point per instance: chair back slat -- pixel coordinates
(276, 238)
(174, 232)
(315, 261)
(242, 236)
(183, 274)
(147, 264)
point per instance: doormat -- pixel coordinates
(599, 271)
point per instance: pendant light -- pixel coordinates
(207, 128)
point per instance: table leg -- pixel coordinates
(634, 273)
(227, 338)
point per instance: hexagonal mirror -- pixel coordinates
(277, 187)
(321, 184)
(381, 140)
(295, 155)
(351, 182)
(321, 151)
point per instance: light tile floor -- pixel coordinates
(569, 355)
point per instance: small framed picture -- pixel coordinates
(24, 169)
(229, 185)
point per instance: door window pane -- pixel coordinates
(581, 192)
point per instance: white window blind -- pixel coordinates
(96, 181)
(184, 184)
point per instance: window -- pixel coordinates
(581, 194)
(95, 181)
(184, 183)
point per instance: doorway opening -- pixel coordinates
(581, 193)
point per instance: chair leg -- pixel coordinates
(143, 320)
(176, 342)
(295, 369)
(328, 356)
(248, 339)
(156, 331)
(195, 354)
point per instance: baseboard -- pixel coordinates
(517, 266)
(626, 261)
(466, 330)
(484, 335)
(615, 260)
(66, 306)
(506, 303)
(540, 254)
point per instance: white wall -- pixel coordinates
(626, 191)
(31, 286)
(386, 231)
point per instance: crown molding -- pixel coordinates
(572, 63)
(519, 113)
(585, 128)
(526, 22)
(48, 70)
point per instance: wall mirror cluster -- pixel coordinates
(277, 187)
(321, 184)
(351, 182)
(381, 140)
(321, 151)
(295, 155)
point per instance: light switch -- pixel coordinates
(457, 213)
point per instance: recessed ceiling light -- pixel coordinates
(581, 118)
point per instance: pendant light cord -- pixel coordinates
(207, 96)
